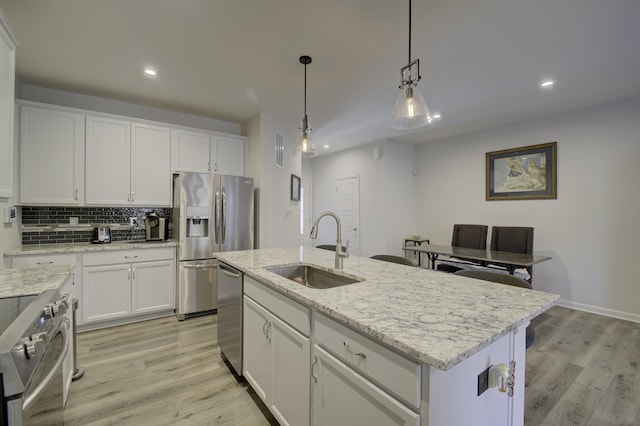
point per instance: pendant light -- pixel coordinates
(304, 144)
(411, 110)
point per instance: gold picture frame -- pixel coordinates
(525, 173)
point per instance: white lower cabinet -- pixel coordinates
(276, 359)
(341, 396)
(121, 284)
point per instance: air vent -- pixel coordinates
(279, 148)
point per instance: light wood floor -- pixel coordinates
(583, 369)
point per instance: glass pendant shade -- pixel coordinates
(411, 110)
(305, 145)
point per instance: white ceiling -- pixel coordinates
(481, 61)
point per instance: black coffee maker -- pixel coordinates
(156, 227)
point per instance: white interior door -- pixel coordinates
(347, 206)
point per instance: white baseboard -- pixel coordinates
(600, 311)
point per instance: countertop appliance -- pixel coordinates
(33, 346)
(211, 213)
(101, 235)
(230, 291)
(155, 227)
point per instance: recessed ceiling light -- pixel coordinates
(326, 146)
(436, 116)
(547, 83)
(150, 72)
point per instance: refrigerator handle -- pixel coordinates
(216, 214)
(224, 214)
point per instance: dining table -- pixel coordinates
(511, 261)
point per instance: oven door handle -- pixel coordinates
(28, 400)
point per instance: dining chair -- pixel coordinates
(466, 236)
(513, 239)
(394, 259)
(501, 278)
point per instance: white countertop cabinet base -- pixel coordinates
(276, 356)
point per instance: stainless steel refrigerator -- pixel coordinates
(211, 213)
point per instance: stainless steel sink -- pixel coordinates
(310, 276)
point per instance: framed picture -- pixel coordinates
(525, 173)
(295, 188)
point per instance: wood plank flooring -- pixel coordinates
(583, 369)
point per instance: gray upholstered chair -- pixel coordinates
(466, 236)
(501, 278)
(393, 259)
(513, 239)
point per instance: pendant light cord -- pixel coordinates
(409, 33)
(305, 92)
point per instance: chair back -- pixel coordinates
(512, 239)
(470, 236)
(496, 277)
(393, 259)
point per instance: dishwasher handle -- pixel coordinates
(228, 271)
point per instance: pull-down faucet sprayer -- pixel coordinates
(314, 234)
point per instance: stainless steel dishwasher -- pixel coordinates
(230, 289)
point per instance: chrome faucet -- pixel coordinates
(314, 234)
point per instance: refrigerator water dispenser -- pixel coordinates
(197, 221)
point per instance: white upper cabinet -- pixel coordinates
(190, 151)
(51, 157)
(228, 155)
(108, 161)
(150, 165)
(127, 163)
(8, 44)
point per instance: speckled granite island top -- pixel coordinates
(29, 249)
(436, 318)
(22, 282)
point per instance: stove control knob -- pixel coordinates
(33, 348)
(59, 308)
(47, 311)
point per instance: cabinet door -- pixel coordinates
(106, 292)
(153, 286)
(228, 156)
(7, 85)
(289, 400)
(150, 165)
(51, 157)
(191, 151)
(107, 147)
(256, 348)
(340, 396)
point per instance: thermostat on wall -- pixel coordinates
(9, 214)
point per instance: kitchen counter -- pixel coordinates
(31, 281)
(86, 247)
(436, 318)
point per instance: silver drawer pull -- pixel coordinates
(45, 263)
(313, 365)
(348, 349)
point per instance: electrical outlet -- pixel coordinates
(133, 221)
(483, 381)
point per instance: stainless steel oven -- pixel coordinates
(33, 346)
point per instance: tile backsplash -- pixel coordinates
(47, 225)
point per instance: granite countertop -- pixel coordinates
(22, 282)
(29, 249)
(436, 318)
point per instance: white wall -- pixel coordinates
(591, 230)
(279, 221)
(387, 187)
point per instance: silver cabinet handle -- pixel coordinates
(45, 263)
(227, 272)
(348, 349)
(313, 366)
(132, 196)
(75, 196)
(134, 273)
(131, 257)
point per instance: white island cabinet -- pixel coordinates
(400, 346)
(276, 352)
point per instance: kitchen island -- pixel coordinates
(451, 328)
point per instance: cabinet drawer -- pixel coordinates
(389, 370)
(43, 260)
(293, 313)
(127, 256)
